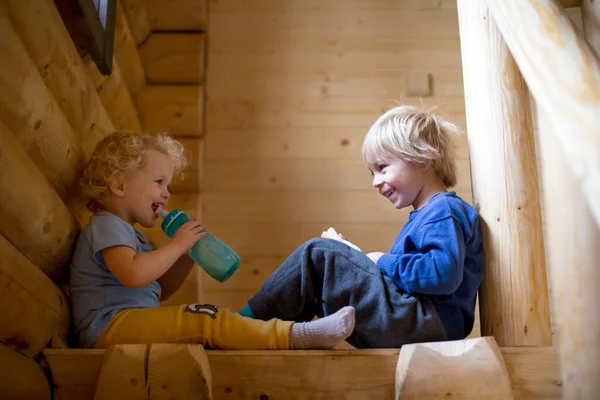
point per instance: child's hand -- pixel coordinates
(188, 234)
(374, 256)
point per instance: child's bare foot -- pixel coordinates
(323, 333)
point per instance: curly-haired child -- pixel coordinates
(117, 279)
(424, 288)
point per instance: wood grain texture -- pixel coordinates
(115, 96)
(137, 18)
(34, 219)
(514, 300)
(534, 373)
(34, 117)
(25, 287)
(123, 373)
(179, 371)
(126, 53)
(174, 58)
(21, 377)
(573, 237)
(572, 101)
(178, 109)
(462, 368)
(49, 45)
(177, 15)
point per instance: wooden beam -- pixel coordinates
(546, 45)
(177, 15)
(463, 369)
(177, 109)
(49, 45)
(513, 298)
(21, 377)
(571, 3)
(534, 373)
(115, 96)
(138, 19)
(123, 373)
(573, 238)
(174, 58)
(34, 219)
(33, 115)
(126, 54)
(590, 13)
(179, 371)
(25, 287)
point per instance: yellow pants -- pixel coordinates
(213, 327)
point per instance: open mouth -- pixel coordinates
(156, 206)
(389, 193)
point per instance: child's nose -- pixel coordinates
(376, 182)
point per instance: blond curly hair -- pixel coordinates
(118, 154)
(415, 135)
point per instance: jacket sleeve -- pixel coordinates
(436, 266)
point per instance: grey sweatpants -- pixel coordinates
(324, 275)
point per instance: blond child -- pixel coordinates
(117, 278)
(424, 288)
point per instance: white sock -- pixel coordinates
(323, 333)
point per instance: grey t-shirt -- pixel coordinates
(96, 295)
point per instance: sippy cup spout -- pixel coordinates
(162, 213)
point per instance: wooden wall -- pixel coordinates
(292, 87)
(54, 107)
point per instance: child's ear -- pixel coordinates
(425, 166)
(117, 186)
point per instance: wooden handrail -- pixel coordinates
(563, 74)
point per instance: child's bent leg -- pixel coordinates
(220, 328)
(208, 325)
(323, 275)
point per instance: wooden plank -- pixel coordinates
(33, 115)
(251, 274)
(572, 239)
(49, 45)
(325, 112)
(126, 53)
(331, 206)
(178, 110)
(534, 373)
(179, 371)
(21, 377)
(329, 143)
(362, 58)
(505, 185)
(174, 58)
(123, 373)
(177, 15)
(231, 83)
(190, 182)
(237, 6)
(138, 19)
(115, 96)
(25, 287)
(280, 239)
(460, 368)
(572, 102)
(307, 174)
(342, 22)
(34, 219)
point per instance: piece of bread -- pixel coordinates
(332, 234)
